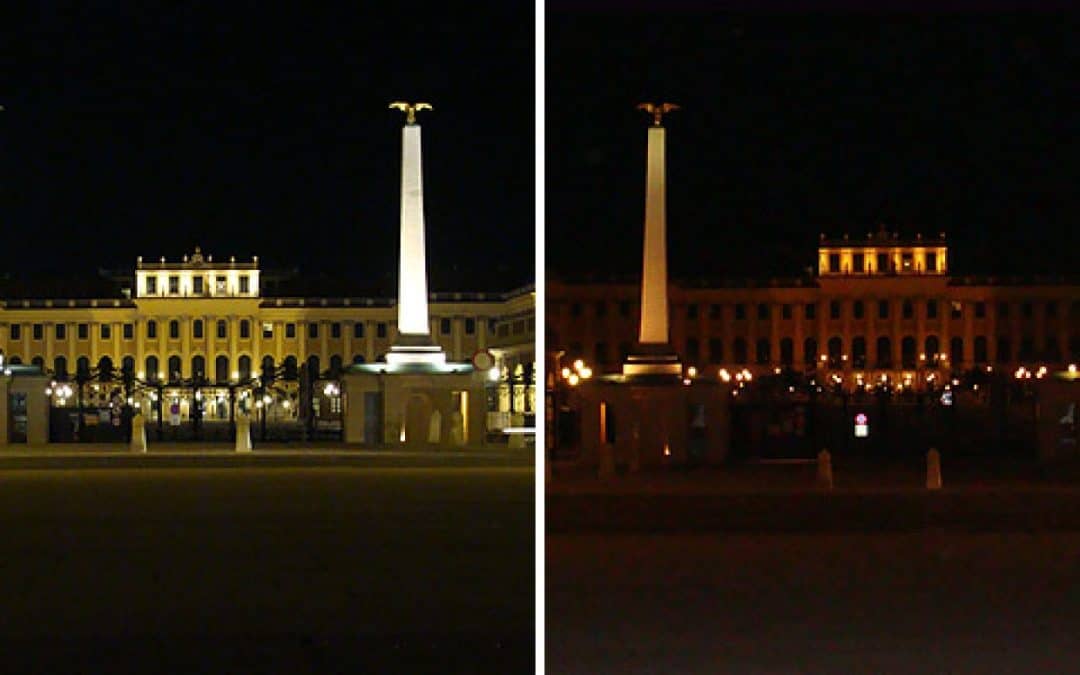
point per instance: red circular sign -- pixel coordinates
(860, 419)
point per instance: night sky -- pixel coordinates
(134, 129)
(795, 124)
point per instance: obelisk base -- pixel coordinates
(650, 358)
(415, 348)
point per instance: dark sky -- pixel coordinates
(795, 124)
(247, 129)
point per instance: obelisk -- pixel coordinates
(413, 344)
(653, 355)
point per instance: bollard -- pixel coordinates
(243, 434)
(933, 470)
(824, 470)
(607, 461)
(138, 434)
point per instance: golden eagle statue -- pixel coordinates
(410, 109)
(657, 110)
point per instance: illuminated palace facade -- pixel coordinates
(211, 320)
(877, 307)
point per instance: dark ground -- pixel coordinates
(267, 569)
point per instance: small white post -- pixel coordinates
(824, 470)
(933, 470)
(243, 433)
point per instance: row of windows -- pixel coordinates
(884, 263)
(222, 371)
(859, 356)
(197, 287)
(83, 329)
(1027, 309)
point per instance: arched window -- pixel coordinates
(60, 368)
(198, 367)
(858, 352)
(836, 351)
(740, 351)
(787, 351)
(884, 352)
(933, 348)
(291, 372)
(267, 368)
(693, 351)
(907, 352)
(174, 368)
(152, 369)
(82, 366)
(127, 364)
(245, 368)
(1004, 350)
(15, 361)
(956, 351)
(359, 358)
(221, 368)
(762, 351)
(38, 361)
(105, 368)
(335, 365)
(810, 355)
(980, 349)
(313, 368)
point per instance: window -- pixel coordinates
(39, 331)
(834, 262)
(787, 351)
(882, 263)
(358, 328)
(61, 331)
(380, 329)
(810, 352)
(129, 331)
(785, 311)
(884, 352)
(931, 262)
(335, 329)
(740, 311)
(151, 329)
(691, 311)
(810, 310)
(762, 351)
(834, 309)
(931, 309)
(858, 310)
(174, 330)
(740, 351)
(858, 351)
(290, 330)
(956, 350)
(151, 285)
(492, 323)
(716, 350)
(883, 309)
(197, 285)
(601, 308)
(716, 311)
(174, 285)
(908, 309)
(860, 264)
(980, 310)
(1051, 310)
(906, 262)
(245, 329)
(106, 331)
(245, 284)
(980, 349)
(312, 330)
(197, 328)
(84, 331)
(601, 353)
(907, 352)
(470, 326)
(957, 309)
(1004, 350)
(1026, 309)
(693, 350)
(1003, 310)
(220, 285)
(762, 312)
(444, 326)
(223, 328)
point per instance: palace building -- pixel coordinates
(222, 322)
(879, 306)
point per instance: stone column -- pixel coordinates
(140, 348)
(185, 346)
(412, 269)
(324, 348)
(72, 336)
(50, 334)
(234, 336)
(118, 356)
(369, 341)
(969, 334)
(279, 343)
(346, 342)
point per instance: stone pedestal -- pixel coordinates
(138, 434)
(243, 433)
(417, 406)
(651, 423)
